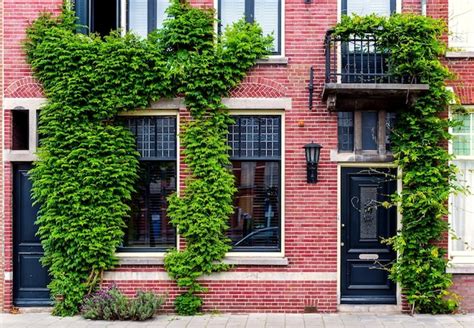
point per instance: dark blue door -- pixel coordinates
(364, 224)
(30, 278)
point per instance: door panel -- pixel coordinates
(364, 224)
(30, 277)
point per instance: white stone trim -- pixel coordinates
(24, 103)
(258, 103)
(139, 259)
(458, 268)
(8, 275)
(19, 156)
(230, 276)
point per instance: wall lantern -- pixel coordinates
(312, 152)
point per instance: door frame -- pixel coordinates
(339, 232)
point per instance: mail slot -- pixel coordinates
(369, 256)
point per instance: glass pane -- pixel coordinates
(161, 7)
(465, 123)
(266, 14)
(255, 137)
(256, 221)
(390, 120)
(369, 130)
(231, 11)
(138, 17)
(345, 131)
(149, 225)
(367, 7)
(368, 213)
(461, 145)
(462, 209)
(155, 136)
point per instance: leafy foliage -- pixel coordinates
(111, 304)
(88, 164)
(419, 145)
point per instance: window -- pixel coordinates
(367, 7)
(20, 129)
(363, 131)
(142, 16)
(461, 15)
(256, 164)
(462, 206)
(266, 12)
(148, 228)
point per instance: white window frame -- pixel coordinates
(282, 36)
(459, 257)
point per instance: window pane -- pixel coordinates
(367, 7)
(369, 130)
(256, 221)
(461, 145)
(266, 14)
(462, 209)
(155, 136)
(461, 13)
(255, 137)
(390, 120)
(465, 123)
(231, 11)
(161, 7)
(138, 17)
(345, 131)
(149, 225)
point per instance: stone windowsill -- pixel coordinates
(276, 60)
(233, 260)
(460, 54)
(461, 268)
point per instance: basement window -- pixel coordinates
(20, 130)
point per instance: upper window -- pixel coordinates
(149, 228)
(462, 205)
(461, 28)
(256, 164)
(266, 12)
(142, 16)
(367, 7)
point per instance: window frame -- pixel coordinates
(250, 9)
(124, 252)
(393, 7)
(266, 250)
(466, 47)
(459, 257)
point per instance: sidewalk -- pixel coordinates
(40, 320)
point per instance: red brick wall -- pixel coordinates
(2, 254)
(310, 210)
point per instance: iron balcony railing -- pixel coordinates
(359, 60)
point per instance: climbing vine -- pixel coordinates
(419, 144)
(87, 160)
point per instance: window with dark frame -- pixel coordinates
(149, 228)
(142, 17)
(365, 131)
(266, 12)
(256, 163)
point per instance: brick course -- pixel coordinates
(310, 210)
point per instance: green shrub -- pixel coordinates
(111, 304)
(188, 304)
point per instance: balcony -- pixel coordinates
(358, 77)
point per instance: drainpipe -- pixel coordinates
(423, 7)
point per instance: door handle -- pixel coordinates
(342, 244)
(343, 225)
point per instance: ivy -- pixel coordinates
(87, 160)
(419, 145)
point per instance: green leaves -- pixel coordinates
(88, 164)
(419, 145)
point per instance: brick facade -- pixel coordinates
(310, 211)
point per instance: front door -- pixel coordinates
(364, 224)
(30, 278)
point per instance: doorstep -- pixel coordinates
(369, 308)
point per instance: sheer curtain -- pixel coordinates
(266, 14)
(462, 208)
(138, 17)
(161, 7)
(367, 7)
(231, 11)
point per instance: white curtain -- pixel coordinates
(461, 25)
(231, 11)
(462, 208)
(367, 7)
(266, 14)
(161, 7)
(138, 17)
